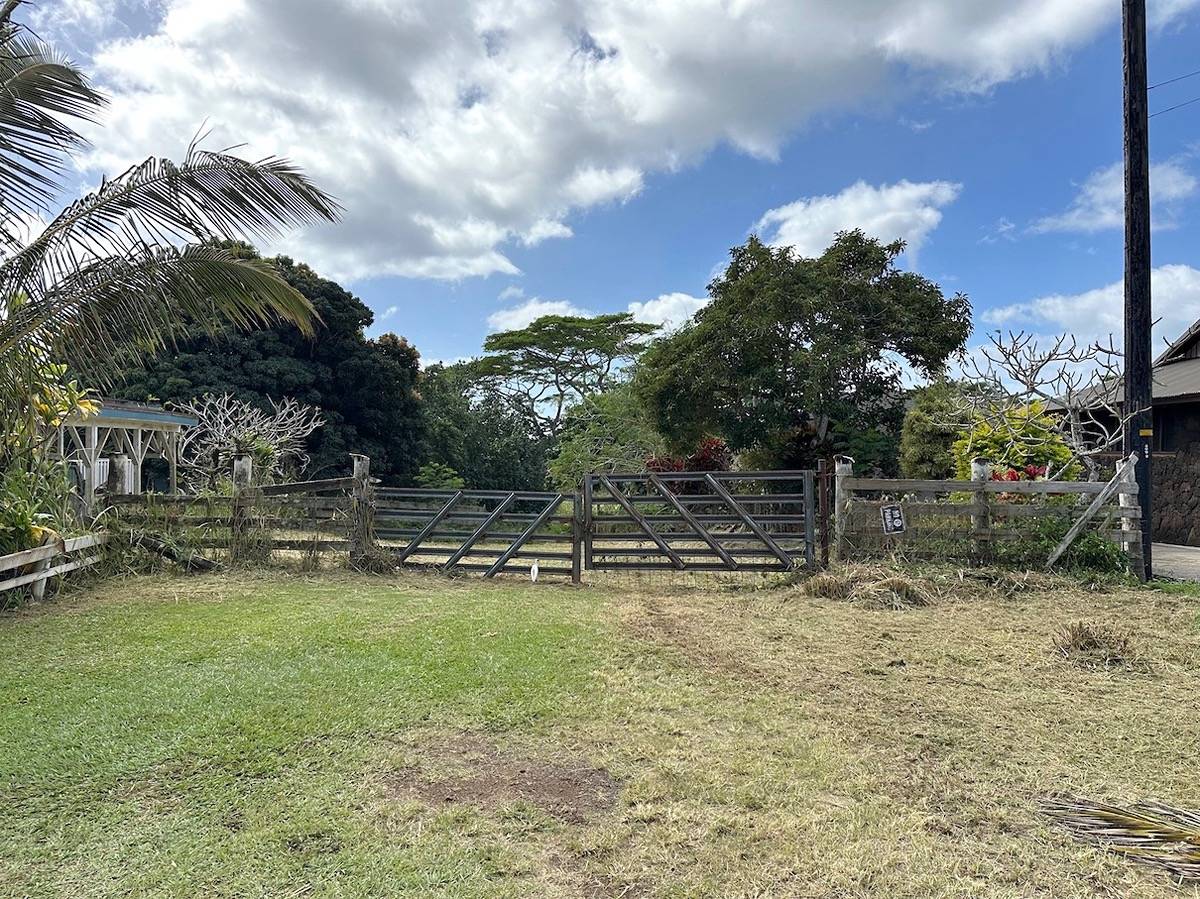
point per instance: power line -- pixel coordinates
(1175, 107)
(1173, 80)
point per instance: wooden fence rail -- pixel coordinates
(975, 518)
(35, 567)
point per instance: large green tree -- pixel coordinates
(367, 389)
(798, 357)
(483, 439)
(545, 368)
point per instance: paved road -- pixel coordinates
(1182, 562)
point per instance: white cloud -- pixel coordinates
(906, 210)
(388, 312)
(1004, 229)
(1100, 203)
(545, 229)
(1095, 314)
(451, 130)
(529, 311)
(53, 19)
(669, 309)
(512, 292)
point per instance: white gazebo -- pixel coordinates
(114, 444)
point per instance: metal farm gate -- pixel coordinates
(754, 521)
(488, 531)
(700, 521)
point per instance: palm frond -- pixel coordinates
(1149, 832)
(40, 90)
(113, 311)
(156, 203)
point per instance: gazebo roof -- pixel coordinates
(124, 413)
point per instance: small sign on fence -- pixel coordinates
(893, 518)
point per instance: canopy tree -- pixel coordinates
(558, 360)
(366, 390)
(796, 357)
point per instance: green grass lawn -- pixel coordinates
(339, 735)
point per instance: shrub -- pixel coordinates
(1091, 552)
(1026, 440)
(931, 425)
(437, 476)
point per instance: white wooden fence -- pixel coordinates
(35, 567)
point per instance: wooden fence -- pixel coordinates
(980, 519)
(34, 568)
(252, 523)
(714, 521)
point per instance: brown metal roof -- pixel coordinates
(1173, 380)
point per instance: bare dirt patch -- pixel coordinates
(469, 770)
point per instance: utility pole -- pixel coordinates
(1139, 428)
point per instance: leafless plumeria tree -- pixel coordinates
(1078, 384)
(230, 427)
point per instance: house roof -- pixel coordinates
(1177, 378)
(1182, 347)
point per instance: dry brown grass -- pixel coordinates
(796, 744)
(1095, 646)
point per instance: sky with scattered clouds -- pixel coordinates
(501, 159)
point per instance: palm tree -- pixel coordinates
(127, 269)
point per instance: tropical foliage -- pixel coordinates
(484, 439)
(367, 390)
(607, 432)
(544, 369)
(934, 420)
(1024, 443)
(125, 268)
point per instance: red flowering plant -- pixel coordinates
(712, 454)
(1030, 472)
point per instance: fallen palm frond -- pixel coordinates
(1148, 832)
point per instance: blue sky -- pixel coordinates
(493, 154)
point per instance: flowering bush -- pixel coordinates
(1026, 443)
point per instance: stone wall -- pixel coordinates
(1177, 496)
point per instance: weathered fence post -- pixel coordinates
(362, 511)
(1131, 528)
(810, 529)
(239, 520)
(981, 517)
(587, 522)
(843, 469)
(38, 589)
(823, 473)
